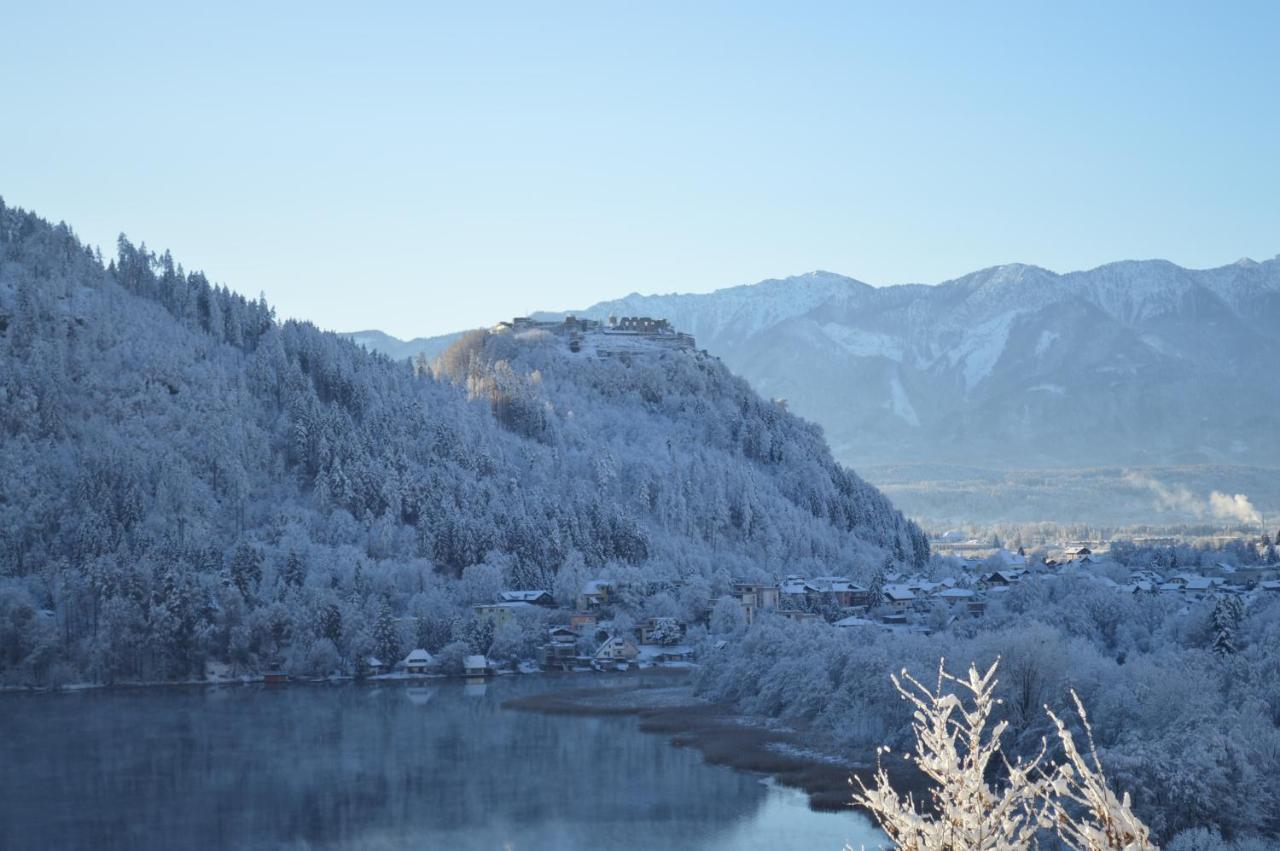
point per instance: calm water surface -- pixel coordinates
(374, 767)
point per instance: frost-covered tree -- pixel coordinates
(386, 635)
(1224, 621)
(727, 616)
(957, 746)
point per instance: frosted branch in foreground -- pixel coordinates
(954, 748)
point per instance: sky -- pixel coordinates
(422, 168)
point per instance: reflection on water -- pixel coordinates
(390, 766)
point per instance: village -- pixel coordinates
(599, 629)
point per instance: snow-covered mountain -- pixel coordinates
(1015, 366)
(378, 341)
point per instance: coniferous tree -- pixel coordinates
(386, 636)
(246, 568)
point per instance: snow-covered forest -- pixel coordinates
(183, 478)
(1184, 697)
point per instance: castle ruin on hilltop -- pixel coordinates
(625, 336)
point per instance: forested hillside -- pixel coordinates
(1140, 376)
(183, 478)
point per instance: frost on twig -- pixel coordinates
(1105, 821)
(956, 744)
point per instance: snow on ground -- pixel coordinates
(864, 344)
(900, 404)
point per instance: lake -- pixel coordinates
(364, 766)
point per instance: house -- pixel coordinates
(373, 665)
(674, 654)
(275, 676)
(616, 649)
(582, 622)
(1202, 584)
(839, 590)
(755, 597)
(852, 621)
(899, 596)
(1077, 552)
(965, 598)
(476, 666)
(594, 594)
(799, 616)
(561, 649)
(793, 589)
(952, 596)
(533, 598)
(418, 662)
(499, 613)
(562, 635)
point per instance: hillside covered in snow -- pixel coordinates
(183, 478)
(1019, 379)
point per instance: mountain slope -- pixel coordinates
(1129, 363)
(184, 478)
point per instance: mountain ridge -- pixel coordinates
(1139, 363)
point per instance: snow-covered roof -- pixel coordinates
(852, 621)
(522, 596)
(898, 592)
(415, 657)
(650, 652)
(472, 662)
(519, 606)
(955, 593)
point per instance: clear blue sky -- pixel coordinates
(422, 168)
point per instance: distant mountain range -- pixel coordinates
(1131, 364)
(377, 341)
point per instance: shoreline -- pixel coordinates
(792, 757)
(662, 700)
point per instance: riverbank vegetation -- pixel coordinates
(1187, 724)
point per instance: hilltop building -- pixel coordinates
(619, 337)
